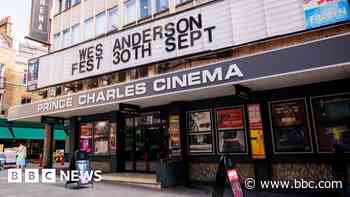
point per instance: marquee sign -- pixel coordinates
(174, 36)
(332, 51)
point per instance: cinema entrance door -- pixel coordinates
(143, 135)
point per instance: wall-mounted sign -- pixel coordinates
(32, 74)
(39, 29)
(175, 135)
(226, 73)
(229, 119)
(171, 37)
(256, 132)
(290, 126)
(324, 12)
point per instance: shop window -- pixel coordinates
(145, 8)
(290, 127)
(231, 132)
(101, 23)
(332, 121)
(66, 38)
(200, 132)
(130, 11)
(88, 29)
(98, 137)
(76, 34)
(162, 5)
(113, 15)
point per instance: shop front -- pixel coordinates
(278, 114)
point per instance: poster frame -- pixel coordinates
(314, 119)
(246, 152)
(206, 132)
(307, 124)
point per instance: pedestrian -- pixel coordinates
(21, 156)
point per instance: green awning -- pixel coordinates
(5, 133)
(36, 133)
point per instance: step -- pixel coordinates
(138, 179)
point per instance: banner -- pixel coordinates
(324, 12)
(39, 29)
(32, 78)
(256, 132)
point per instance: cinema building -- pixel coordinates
(167, 87)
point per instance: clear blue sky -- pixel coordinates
(19, 10)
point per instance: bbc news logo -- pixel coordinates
(50, 176)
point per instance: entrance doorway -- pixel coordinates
(143, 138)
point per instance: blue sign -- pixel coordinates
(326, 14)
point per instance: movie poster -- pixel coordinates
(201, 143)
(86, 131)
(200, 121)
(101, 129)
(290, 127)
(174, 131)
(101, 146)
(256, 132)
(332, 120)
(232, 141)
(229, 119)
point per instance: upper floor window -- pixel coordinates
(101, 23)
(76, 34)
(68, 4)
(25, 100)
(113, 19)
(88, 29)
(25, 77)
(162, 5)
(178, 2)
(67, 40)
(130, 11)
(57, 41)
(145, 8)
(74, 2)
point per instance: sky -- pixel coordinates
(19, 10)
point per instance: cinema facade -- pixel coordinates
(276, 102)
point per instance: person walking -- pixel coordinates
(21, 156)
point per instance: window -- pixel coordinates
(57, 41)
(332, 122)
(98, 137)
(101, 23)
(76, 34)
(59, 7)
(113, 19)
(130, 11)
(162, 5)
(290, 128)
(67, 40)
(68, 4)
(25, 77)
(178, 2)
(88, 29)
(145, 8)
(142, 72)
(74, 2)
(25, 100)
